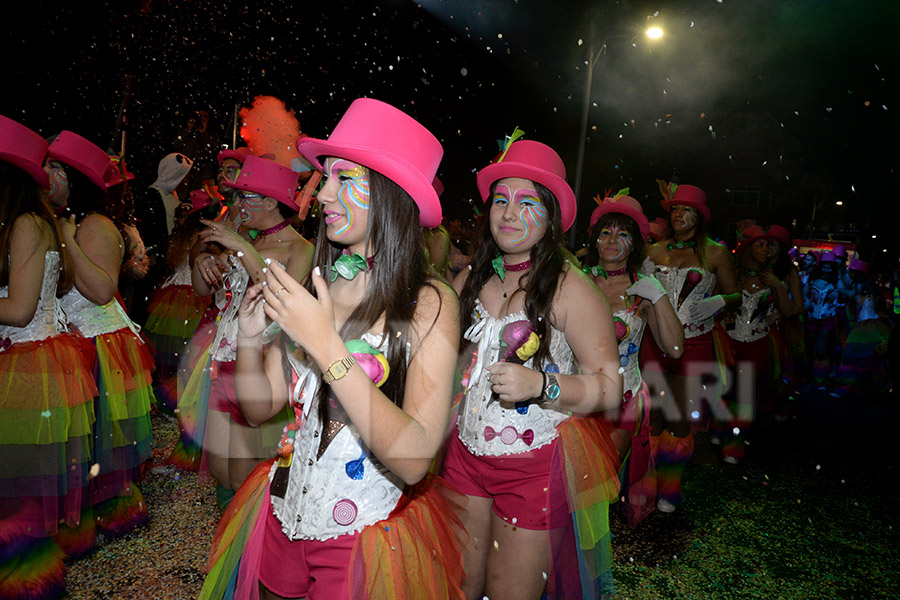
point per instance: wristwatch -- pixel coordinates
(550, 394)
(338, 369)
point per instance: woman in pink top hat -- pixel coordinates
(123, 363)
(532, 316)
(365, 362)
(46, 384)
(699, 277)
(265, 203)
(618, 233)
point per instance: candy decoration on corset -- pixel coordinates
(518, 343)
(355, 468)
(694, 276)
(622, 329)
(508, 435)
(344, 512)
(373, 362)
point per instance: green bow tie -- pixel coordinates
(596, 271)
(681, 245)
(499, 267)
(347, 266)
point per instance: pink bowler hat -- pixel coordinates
(624, 205)
(238, 154)
(828, 257)
(269, 178)
(781, 235)
(81, 154)
(858, 265)
(535, 161)
(689, 195)
(383, 138)
(658, 228)
(116, 172)
(23, 148)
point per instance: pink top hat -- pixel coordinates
(81, 154)
(658, 228)
(535, 161)
(859, 265)
(689, 195)
(840, 252)
(116, 172)
(378, 136)
(750, 235)
(238, 154)
(828, 257)
(625, 205)
(438, 186)
(200, 199)
(269, 178)
(23, 148)
(781, 235)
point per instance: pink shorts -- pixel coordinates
(518, 483)
(699, 356)
(305, 568)
(222, 397)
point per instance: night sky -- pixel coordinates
(821, 73)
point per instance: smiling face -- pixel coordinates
(518, 217)
(345, 201)
(59, 185)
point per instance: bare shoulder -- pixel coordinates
(30, 226)
(655, 251)
(717, 253)
(459, 282)
(576, 292)
(97, 224)
(437, 308)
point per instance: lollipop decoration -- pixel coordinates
(518, 343)
(373, 362)
(694, 276)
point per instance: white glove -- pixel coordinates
(647, 287)
(706, 308)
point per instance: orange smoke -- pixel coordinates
(269, 128)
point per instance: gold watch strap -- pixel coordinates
(338, 369)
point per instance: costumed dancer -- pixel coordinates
(863, 372)
(344, 511)
(822, 301)
(192, 422)
(122, 432)
(618, 233)
(762, 296)
(529, 467)
(698, 275)
(46, 385)
(266, 193)
(175, 311)
(787, 350)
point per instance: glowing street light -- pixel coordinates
(654, 33)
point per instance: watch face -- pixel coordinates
(339, 370)
(553, 391)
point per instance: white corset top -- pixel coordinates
(93, 319)
(700, 284)
(629, 329)
(344, 490)
(822, 297)
(488, 427)
(47, 320)
(181, 276)
(228, 298)
(750, 322)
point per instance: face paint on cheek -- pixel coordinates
(353, 196)
(624, 243)
(536, 214)
(250, 207)
(690, 219)
(58, 180)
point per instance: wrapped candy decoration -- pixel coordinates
(372, 362)
(518, 342)
(694, 276)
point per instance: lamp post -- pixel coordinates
(652, 33)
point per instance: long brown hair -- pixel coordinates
(20, 195)
(395, 240)
(548, 257)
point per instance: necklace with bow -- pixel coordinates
(682, 245)
(349, 265)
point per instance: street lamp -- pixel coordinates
(653, 33)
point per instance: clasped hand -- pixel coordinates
(515, 383)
